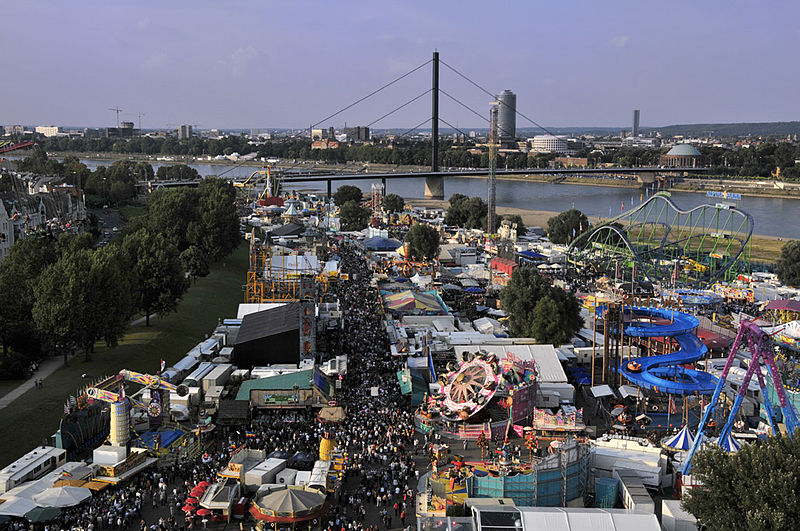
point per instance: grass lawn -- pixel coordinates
(36, 414)
(131, 211)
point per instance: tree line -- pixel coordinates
(61, 294)
(755, 161)
(114, 185)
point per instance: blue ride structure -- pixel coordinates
(665, 373)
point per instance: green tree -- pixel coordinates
(19, 273)
(754, 488)
(538, 309)
(177, 172)
(466, 212)
(423, 241)
(61, 307)
(159, 281)
(353, 216)
(218, 219)
(347, 193)
(194, 262)
(788, 267)
(393, 203)
(566, 226)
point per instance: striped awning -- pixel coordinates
(681, 441)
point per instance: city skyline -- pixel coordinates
(245, 65)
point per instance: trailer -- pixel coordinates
(196, 377)
(217, 377)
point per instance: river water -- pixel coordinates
(772, 216)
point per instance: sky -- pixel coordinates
(290, 64)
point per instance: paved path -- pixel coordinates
(46, 368)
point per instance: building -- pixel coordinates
(635, 128)
(550, 144)
(269, 337)
(15, 129)
(325, 143)
(357, 134)
(572, 162)
(297, 389)
(184, 132)
(6, 232)
(125, 130)
(683, 155)
(47, 130)
(507, 116)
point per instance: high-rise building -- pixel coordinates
(184, 132)
(635, 129)
(507, 116)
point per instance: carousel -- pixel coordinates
(481, 390)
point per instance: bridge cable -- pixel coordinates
(373, 93)
(543, 128)
(452, 126)
(470, 109)
(409, 102)
(426, 120)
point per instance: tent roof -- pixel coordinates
(788, 305)
(14, 506)
(282, 382)
(379, 243)
(682, 440)
(291, 501)
(62, 496)
(569, 519)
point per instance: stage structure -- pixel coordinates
(658, 242)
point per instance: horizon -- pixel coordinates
(276, 66)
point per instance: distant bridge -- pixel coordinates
(434, 180)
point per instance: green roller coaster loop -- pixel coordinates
(660, 243)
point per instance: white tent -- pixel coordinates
(13, 506)
(62, 496)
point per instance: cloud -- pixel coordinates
(620, 41)
(241, 57)
(157, 59)
(143, 24)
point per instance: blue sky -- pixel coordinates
(291, 63)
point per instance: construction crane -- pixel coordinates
(116, 110)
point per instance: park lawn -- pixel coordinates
(131, 211)
(36, 414)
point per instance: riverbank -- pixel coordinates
(762, 248)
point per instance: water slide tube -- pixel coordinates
(665, 373)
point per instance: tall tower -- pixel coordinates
(635, 129)
(507, 116)
(491, 222)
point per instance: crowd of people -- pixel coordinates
(377, 486)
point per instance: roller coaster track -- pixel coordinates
(659, 242)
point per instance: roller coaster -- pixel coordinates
(658, 242)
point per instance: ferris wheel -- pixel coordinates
(470, 388)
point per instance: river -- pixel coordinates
(772, 216)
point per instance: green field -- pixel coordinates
(36, 414)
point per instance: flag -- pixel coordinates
(66, 474)
(163, 366)
(673, 407)
(121, 392)
(518, 430)
(249, 434)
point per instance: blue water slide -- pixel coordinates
(665, 373)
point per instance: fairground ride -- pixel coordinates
(760, 347)
(260, 184)
(660, 243)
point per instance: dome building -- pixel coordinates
(681, 155)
